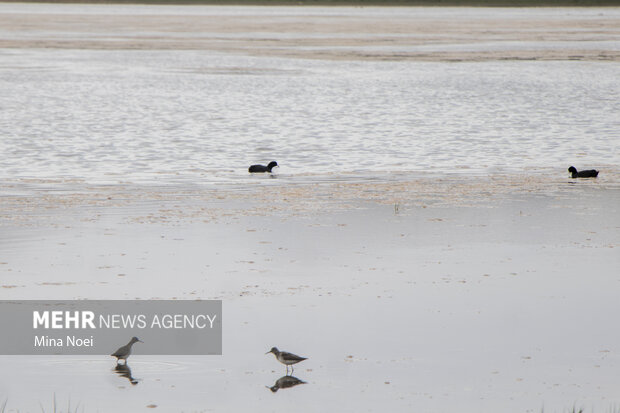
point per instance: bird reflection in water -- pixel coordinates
(123, 370)
(285, 382)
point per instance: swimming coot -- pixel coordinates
(263, 168)
(590, 173)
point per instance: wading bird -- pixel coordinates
(286, 358)
(124, 352)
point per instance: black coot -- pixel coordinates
(263, 168)
(590, 173)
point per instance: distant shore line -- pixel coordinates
(350, 3)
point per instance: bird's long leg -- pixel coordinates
(292, 369)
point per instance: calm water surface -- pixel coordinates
(418, 310)
(106, 116)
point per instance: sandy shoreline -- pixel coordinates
(27, 201)
(288, 33)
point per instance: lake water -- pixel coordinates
(446, 263)
(200, 116)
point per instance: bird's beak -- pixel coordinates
(268, 352)
(140, 341)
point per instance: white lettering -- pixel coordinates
(45, 341)
(80, 342)
(40, 319)
(87, 319)
(56, 319)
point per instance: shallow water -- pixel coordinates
(444, 263)
(202, 116)
(170, 116)
(507, 306)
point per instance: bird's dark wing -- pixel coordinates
(257, 168)
(118, 352)
(590, 173)
(291, 356)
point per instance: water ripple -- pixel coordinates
(188, 116)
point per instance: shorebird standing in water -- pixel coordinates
(124, 352)
(286, 358)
